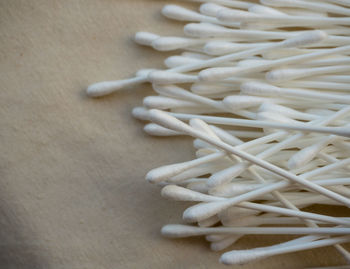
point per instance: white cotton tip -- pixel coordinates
(157, 130)
(169, 43)
(205, 30)
(252, 62)
(145, 38)
(225, 243)
(166, 172)
(305, 12)
(222, 47)
(216, 73)
(141, 113)
(164, 119)
(210, 9)
(232, 189)
(179, 13)
(272, 116)
(175, 92)
(178, 231)
(182, 194)
(173, 171)
(278, 3)
(259, 88)
(205, 88)
(234, 214)
(198, 187)
(175, 61)
(233, 15)
(302, 157)
(106, 87)
(194, 55)
(225, 175)
(173, 192)
(203, 211)
(209, 222)
(307, 38)
(144, 72)
(167, 77)
(237, 257)
(238, 102)
(162, 102)
(280, 75)
(264, 10)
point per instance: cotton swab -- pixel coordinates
(162, 102)
(232, 189)
(264, 124)
(286, 203)
(296, 156)
(182, 14)
(183, 194)
(308, 5)
(208, 30)
(180, 231)
(219, 73)
(332, 86)
(145, 38)
(107, 87)
(259, 88)
(157, 130)
(231, 15)
(244, 256)
(294, 73)
(228, 3)
(307, 154)
(168, 121)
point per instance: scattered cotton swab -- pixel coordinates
(265, 93)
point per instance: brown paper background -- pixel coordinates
(73, 193)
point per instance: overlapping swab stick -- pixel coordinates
(168, 121)
(244, 256)
(107, 87)
(293, 102)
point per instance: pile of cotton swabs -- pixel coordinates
(264, 90)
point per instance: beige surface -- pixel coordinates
(72, 169)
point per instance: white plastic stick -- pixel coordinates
(180, 231)
(244, 256)
(230, 15)
(219, 73)
(308, 5)
(107, 87)
(168, 121)
(264, 124)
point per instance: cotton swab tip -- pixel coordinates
(179, 13)
(241, 256)
(307, 38)
(177, 230)
(164, 119)
(103, 88)
(145, 38)
(157, 130)
(258, 88)
(140, 113)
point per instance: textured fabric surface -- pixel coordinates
(72, 169)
